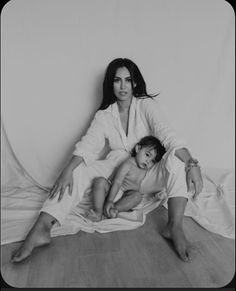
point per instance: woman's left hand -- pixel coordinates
(194, 180)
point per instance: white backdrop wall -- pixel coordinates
(54, 53)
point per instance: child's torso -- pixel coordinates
(133, 179)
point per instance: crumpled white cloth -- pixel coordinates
(213, 210)
(22, 198)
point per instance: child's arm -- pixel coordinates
(116, 184)
(118, 180)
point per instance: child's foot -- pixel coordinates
(94, 215)
(185, 250)
(38, 236)
(113, 212)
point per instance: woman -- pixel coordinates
(127, 114)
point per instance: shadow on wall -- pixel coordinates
(96, 102)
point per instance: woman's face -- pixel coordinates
(122, 84)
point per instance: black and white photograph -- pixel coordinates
(118, 144)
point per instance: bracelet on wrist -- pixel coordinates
(190, 164)
(187, 168)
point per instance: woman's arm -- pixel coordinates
(92, 143)
(193, 172)
(183, 154)
(86, 150)
(159, 126)
(65, 179)
(161, 129)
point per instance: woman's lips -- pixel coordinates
(122, 93)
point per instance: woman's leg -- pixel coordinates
(178, 196)
(174, 228)
(39, 235)
(54, 211)
(173, 181)
(51, 212)
(99, 191)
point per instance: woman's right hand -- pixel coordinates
(63, 181)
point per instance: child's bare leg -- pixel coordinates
(129, 200)
(174, 228)
(39, 235)
(100, 190)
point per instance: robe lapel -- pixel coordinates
(131, 132)
(118, 125)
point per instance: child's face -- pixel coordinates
(145, 157)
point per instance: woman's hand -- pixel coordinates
(63, 181)
(107, 207)
(194, 180)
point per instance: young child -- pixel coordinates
(122, 192)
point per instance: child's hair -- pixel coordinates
(153, 143)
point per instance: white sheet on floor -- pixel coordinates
(22, 198)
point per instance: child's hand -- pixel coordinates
(107, 207)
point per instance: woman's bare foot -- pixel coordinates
(93, 215)
(38, 236)
(183, 247)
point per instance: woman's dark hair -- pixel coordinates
(139, 90)
(153, 143)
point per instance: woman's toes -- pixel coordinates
(35, 239)
(187, 253)
(20, 255)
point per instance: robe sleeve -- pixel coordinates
(92, 143)
(157, 123)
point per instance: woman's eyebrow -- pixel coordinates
(128, 77)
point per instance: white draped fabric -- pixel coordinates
(22, 198)
(53, 59)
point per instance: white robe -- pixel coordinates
(167, 178)
(20, 206)
(145, 118)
